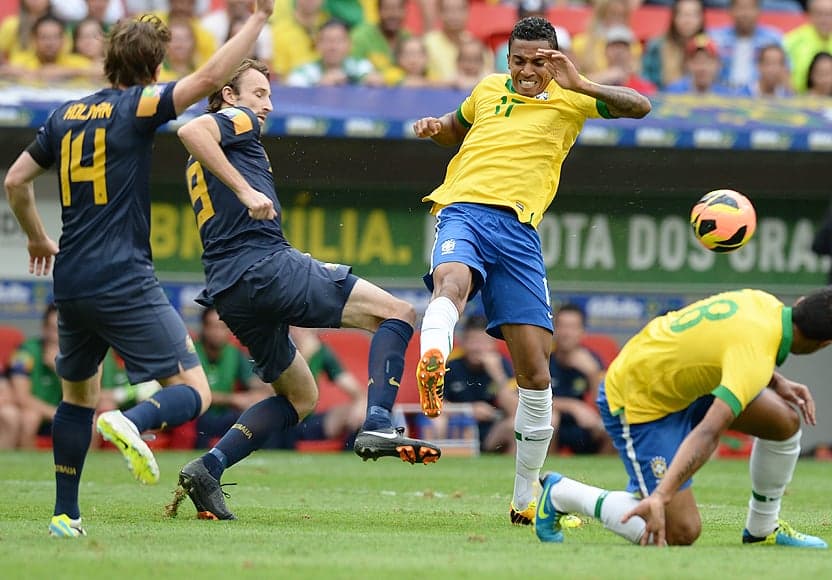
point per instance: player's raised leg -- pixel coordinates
(391, 320)
(295, 397)
(157, 346)
(451, 283)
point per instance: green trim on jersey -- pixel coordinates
(725, 395)
(788, 337)
(462, 119)
(603, 110)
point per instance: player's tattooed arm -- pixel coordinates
(696, 449)
(621, 101)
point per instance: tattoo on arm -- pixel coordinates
(623, 101)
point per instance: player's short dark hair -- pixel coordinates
(570, 307)
(534, 28)
(813, 315)
(135, 49)
(215, 101)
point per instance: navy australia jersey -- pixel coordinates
(102, 146)
(231, 240)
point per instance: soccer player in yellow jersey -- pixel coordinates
(676, 386)
(515, 131)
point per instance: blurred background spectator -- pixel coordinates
(37, 389)
(773, 79)
(470, 64)
(703, 65)
(180, 59)
(335, 65)
(48, 60)
(221, 23)
(740, 43)
(819, 79)
(185, 10)
(10, 414)
(16, 29)
(805, 41)
(621, 62)
(107, 12)
(576, 375)
(590, 46)
(377, 43)
(412, 60)
(664, 58)
(294, 36)
(443, 44)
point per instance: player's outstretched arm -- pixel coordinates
(20, 192)
(446, 130)
(201, 138)
(216, 71)
(695, 450)
(620, 101)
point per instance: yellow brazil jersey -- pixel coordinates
(726, 345)
(515, 146)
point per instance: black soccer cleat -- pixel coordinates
(391, 442)
(205, 492)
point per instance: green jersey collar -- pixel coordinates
(510, 85)
(786, 341)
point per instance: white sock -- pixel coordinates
(438, 324)
(533, 432)
(772, 465)
(573, 496)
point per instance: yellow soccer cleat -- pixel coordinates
(120, 431)
(526, 517)
(62, 526)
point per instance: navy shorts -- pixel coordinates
(648, 448)
(506, 260)
(140, 324)
(283, 289)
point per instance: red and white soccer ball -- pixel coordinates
(723, 220)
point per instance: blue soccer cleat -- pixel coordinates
(62, 526)
(784, 535)
(547, 520)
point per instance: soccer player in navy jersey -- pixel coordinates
(104, 285)
(260, 285)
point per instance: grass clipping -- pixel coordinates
(172, 509)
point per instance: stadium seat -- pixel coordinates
(352, 347)
(604, 345)
(11, 337)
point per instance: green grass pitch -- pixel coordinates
(333, 516)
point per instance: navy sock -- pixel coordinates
(169, 407)
(71, 436)
(386, 366)
(250, 432)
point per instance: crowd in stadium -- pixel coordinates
(684, 46)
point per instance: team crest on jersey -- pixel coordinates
(658, 465)
(330, 266)
(448, 247)
(544, 96)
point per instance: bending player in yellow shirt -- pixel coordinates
(515, 130)
(676, 386)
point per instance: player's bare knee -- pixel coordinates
(684, 533)
(404, 311)
(786, 425)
